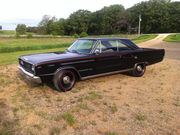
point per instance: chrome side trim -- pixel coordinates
(83, 70)
(47, 74)
(104, 74)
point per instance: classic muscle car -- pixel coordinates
(87, 58)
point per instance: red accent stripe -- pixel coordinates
(96, 57)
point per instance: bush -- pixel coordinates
(76, 35)
(83, 34)
(29, 35)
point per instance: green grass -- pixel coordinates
(69, 118)
(114, 108)
(14, 45)
(144, 38)
(141, 116)
(172, 38)
(111, 133)
(11, 58)
(7, 32)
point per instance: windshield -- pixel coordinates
(82, 46)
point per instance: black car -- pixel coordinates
(87, 58)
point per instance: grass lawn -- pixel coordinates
(11, 48)
(144, 38)
(172, 38)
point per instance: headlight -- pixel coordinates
(21, 62)
(33, 68)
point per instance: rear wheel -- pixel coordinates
(64, 80)
(139, 70)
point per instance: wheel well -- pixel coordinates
(146, 63)
(78, 77)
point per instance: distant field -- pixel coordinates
(23, 44)
(7, 32)
(172, 38)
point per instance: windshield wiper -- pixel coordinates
(75, 51)
(68, 50)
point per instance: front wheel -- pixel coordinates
(139, 69)
(64, 80)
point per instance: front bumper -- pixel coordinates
(30, 76)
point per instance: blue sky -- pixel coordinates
(30, 12)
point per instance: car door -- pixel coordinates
(126, 56)
(107, 60)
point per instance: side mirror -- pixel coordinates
(97, 51)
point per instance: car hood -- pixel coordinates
(49, 57)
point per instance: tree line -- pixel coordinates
(157, 16)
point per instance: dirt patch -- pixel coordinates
(119, 103)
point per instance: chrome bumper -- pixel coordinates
(30, 76)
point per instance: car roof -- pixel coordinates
(126, 40)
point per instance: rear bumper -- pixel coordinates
(30, 76)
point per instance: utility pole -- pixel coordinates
(139, 29)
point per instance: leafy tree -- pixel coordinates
(45, 24)
(79, 21)
(174, 18)
(157, 16)
(21, 29)
(57, 28)
(105, 21)
(154, 13)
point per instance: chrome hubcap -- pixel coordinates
(66, 79)
(139, 68)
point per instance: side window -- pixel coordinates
(106, 46)
(122, 46)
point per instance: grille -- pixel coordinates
(27, 66)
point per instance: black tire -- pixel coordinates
(64, 80)
(139, 70)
